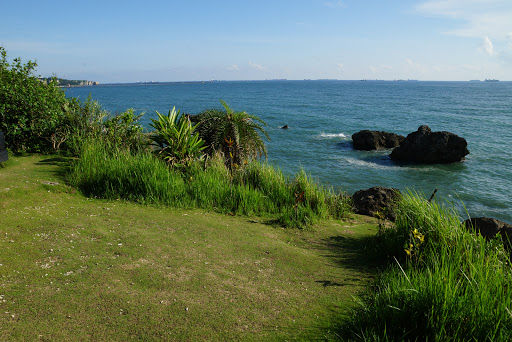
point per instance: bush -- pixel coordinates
(83, 122)
(31, 111)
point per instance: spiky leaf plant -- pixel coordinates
(175, 140)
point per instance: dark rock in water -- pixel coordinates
(375, 140)
(377, 199)
(489, 228)
(425, 146)
(284, 127)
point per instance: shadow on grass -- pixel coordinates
(63, 166)
(357, 253)
(361, 255)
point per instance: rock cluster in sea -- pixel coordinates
(427, 147)
(422, 146)
(375, 140)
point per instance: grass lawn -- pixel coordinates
(75, 268)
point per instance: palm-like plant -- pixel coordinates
(235, 134)
(175, 139)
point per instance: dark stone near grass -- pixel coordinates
(427, 147)
(375, 140)
(3, 152)
(377, 199)
(490, 228)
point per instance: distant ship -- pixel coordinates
(491, 80)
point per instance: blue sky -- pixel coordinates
(188, 40)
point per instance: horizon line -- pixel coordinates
(285, 80)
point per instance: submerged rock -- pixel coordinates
(375, 140)
(376, 200)
(425, 146)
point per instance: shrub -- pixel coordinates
(31, 111)
(125, 131)
(83, 122)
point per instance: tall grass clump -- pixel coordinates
(445, 284)
(310, 202)
(105, 170)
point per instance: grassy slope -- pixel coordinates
(73, 268)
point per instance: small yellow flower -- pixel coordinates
(410, 250)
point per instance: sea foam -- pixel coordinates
(332, 135)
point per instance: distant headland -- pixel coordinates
(62, 82)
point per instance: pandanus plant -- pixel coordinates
(175, 139)
(234, 134)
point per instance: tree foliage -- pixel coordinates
(30, 110)
(235, 134)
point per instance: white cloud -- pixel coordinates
(255, 66)
(340, 67)
(488, 47)
(480, 18)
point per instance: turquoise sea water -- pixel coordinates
(322, 116)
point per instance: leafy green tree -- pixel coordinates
(235, 134)
(175, 140)
(30, 110)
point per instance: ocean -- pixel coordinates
(322, 115)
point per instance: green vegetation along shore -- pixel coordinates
(109, 233)
(79, 268)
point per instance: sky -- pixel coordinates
(112, 41)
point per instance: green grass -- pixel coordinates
(77, 268)
(454, 286)
(104, 171)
